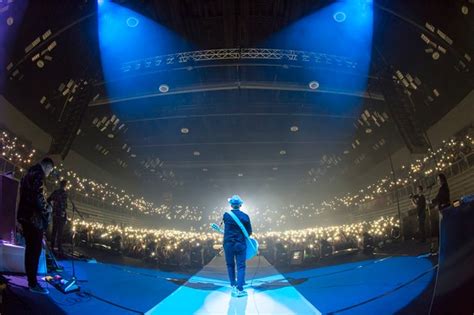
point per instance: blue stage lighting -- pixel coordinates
(126, 35)
(132, 21)
(339, 17)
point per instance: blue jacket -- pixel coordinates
(232, 232)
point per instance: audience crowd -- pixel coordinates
(458, 148)
(199, 245)
(186, 249)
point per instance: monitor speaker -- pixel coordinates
(8, 207)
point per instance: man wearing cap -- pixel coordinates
(235, 245)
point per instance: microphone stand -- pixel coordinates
(429, 218)
(74, 210)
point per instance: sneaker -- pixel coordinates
(241, 293)
(39, 289)
(234, 290)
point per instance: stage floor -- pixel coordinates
(209, 292)
(381, 286)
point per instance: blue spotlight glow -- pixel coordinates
(125, 35)
(132, 21)
(343, 28)
(339, 16)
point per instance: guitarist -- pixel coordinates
(235, 245)
(59, 200)
(33, 215)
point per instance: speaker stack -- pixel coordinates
(8, 204)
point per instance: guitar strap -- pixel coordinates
(242, 227)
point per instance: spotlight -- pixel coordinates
(313, 85)
(240, 174)
(196, 153)
(282, 152)
(164, 88)
(339, 17)
(294, 128)
(132, 21)
(184, 130)
(10, 21)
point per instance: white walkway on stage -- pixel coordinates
(208, 292)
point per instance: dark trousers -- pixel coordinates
(235, 252)
(58, 228)
(421, 227)
(33, 245)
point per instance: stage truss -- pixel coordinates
(190, 57)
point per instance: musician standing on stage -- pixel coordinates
(59, 202)
(419, 201)
(33, 214)
(442, 199)
(235, 246)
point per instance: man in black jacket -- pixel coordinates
(59, 201)
(442, 199)
(419, 201)
(235, 246)
(33, 214)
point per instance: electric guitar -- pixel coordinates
(217, 228)
(252, 244)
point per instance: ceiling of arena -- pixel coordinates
(238, 106)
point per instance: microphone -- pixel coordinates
(55, 174)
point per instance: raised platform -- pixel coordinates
(208, 292)
(382, 286)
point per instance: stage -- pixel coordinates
(379, 286)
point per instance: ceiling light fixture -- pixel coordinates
(313, 85)
(339, 17)
(164, 88)
(132, 21)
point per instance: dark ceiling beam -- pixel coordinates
(325, 116)
(236, 86)
(238, 163)
(229, 18)
(137, 146)
(243, 64)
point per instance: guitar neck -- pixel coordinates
(216, 228)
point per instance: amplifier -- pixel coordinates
(8, 203)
